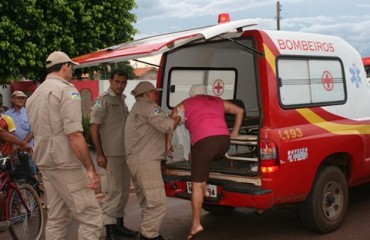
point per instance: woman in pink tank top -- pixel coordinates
(204, 117)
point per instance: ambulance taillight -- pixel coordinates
(223, 17)
(269, 156)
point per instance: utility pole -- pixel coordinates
(278, 18)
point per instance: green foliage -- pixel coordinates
(127, 68)
(31, 29)
(125, 65)
(87, 132)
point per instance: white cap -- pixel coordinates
(18, 94)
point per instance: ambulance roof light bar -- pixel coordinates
(223, 17)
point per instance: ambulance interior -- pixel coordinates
(367, 69)
(227, 70)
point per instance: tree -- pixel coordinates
(31, 29)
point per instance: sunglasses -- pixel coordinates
(20, 98)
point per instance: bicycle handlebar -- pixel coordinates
(7, 163)
(3, 162)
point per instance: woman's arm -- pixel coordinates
(177, 111)
(239, 115)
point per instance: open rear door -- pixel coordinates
(158, 44)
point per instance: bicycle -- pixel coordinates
(22, 173)
(22, 204)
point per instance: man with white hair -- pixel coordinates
(23, 129)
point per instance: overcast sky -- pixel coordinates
(349, 19)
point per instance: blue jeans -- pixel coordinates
(32, 166)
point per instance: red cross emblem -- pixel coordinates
(327, 80)
(218, 87)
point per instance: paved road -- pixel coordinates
(275, 224)
(241, 224)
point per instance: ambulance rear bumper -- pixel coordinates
(228, 193)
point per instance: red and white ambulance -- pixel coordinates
(306, 134)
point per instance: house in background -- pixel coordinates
(130, 99)
(146, 73)
(89, 89)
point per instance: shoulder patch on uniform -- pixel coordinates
(157, 111)
(97, 103)
(75, 95)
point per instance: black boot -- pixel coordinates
(124, 231)
(111, 233)
(159, 237)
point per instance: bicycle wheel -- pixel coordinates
(30, 180)
(26, 225)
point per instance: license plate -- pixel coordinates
(212, 189)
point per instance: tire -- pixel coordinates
(218, 210)
(324, 209)
(31, 181)
(25, 225)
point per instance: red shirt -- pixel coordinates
(7, 124)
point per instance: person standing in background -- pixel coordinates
(23, 129)
(108, 117)
(7, 124)
(5, 136)
(2, 107)
(61, 153)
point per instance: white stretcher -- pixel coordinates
(242, 140)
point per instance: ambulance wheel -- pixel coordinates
(324, 209)
(218, 210)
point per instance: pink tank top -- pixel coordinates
(205, 116)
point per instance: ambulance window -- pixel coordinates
(310, 81)
(367, 69)
(219, 82)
